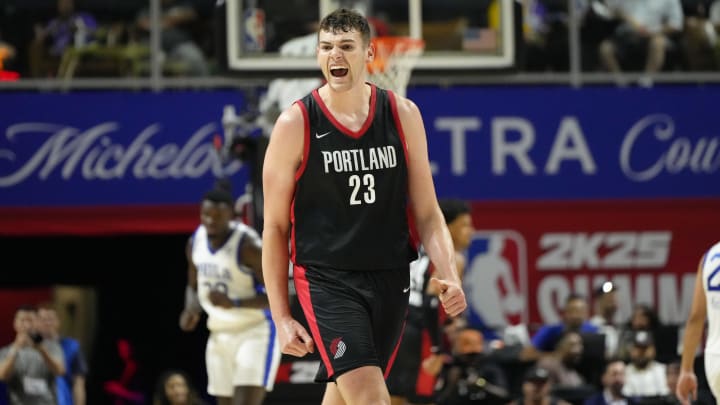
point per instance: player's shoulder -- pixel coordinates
(292, 118)
(402, 103)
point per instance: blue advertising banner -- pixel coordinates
(485, 143)
(558, 143)
(111, 148)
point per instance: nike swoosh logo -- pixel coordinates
(318, 136)
(406, 289)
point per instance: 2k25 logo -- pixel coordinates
(495, 280)
(604, 250)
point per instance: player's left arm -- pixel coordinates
(694, 326)
(429, 220)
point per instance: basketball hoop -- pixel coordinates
(394, 60)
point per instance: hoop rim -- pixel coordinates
(387, 47)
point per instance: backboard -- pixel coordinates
(460, 35)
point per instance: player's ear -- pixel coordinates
(370, 56)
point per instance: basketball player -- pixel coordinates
(346, 173)
(225, 280)
(422, 339)
(705, 306)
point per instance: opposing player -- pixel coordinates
(225, 280)
(705, 306)
(345, 175)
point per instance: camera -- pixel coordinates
(36, 337)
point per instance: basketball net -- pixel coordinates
(395, 58)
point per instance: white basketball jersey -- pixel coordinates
(711, 283)
(221, 270)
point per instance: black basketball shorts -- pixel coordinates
(356, 318)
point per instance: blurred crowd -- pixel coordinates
(94, 38)
(589, 357)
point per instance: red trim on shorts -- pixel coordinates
(425, 383)
(414, 235)
(306, 140)
(302, 288)
(391, 361)
(342, 128)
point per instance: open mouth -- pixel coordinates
(338, 71)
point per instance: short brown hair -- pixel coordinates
(346, 20)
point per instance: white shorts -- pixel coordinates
(247, 358)
(712, 373)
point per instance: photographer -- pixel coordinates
(30, 364)
(471, 377)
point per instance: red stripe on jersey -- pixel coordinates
(293, 246)
(414, 236)
(302, 288)
(342, 128)
(306, 140)
(395, 350)
(298, 174)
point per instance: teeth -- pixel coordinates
(337, 67)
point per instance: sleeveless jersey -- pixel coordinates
(350, 210)
(711, 283)
(221, 270)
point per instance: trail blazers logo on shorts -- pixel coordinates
(337, 348)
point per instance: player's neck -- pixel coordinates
(352, 101)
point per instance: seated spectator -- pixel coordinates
(536, 389)
(7, 54)
(643, 318)
(471, 375)
(606, 307)
(546, 34)
(175, 388)
(647, 28)
(176, 40)
(575, 319)
(645, 377)
(613, 381)
(699, 36)
(69, 29)
(562, 363)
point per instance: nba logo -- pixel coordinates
(495, 281)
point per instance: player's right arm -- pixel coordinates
(190, 315)
(282, 160)
(694, 326)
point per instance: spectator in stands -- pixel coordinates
(30, 363)
(647, 29)
(7, 54)
(574, 319)
(69, 28)
(699, 36)
(643, 318)
(176, 39)
(471, 375)
(71, 385)
(645, 377)
(606, 307)
(536, 389)
(545, 32)
(174, 387)
(613, 381)
(563, 362)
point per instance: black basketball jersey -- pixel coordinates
(350, 209)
